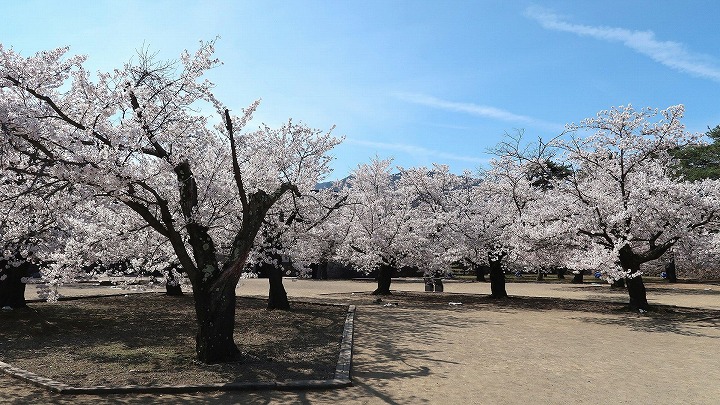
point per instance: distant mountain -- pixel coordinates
(336, 184)
(343, 183)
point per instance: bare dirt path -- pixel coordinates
(406, 355)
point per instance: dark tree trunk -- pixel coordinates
(319, 271)
(323, 270)
(172, 285)
(12, 289)
(497, 277)
(438, 284)
(670, 271)
(480, 271)
(277, 298)
(216, 322)
(173, 290)
(540, 275)
(578, 277)
(620, 283)
(630, 261)
(561, 273)
(384, 279)
(638, 295)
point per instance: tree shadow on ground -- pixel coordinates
(399, 345)
(710, 291)
(694, 324)
(663, 318)
(383, 357)
(394, 346)
(139, 340)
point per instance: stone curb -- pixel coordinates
(344, 364)
(33, 378)
(342, 376)
(82, 297)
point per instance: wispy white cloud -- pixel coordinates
(468, 108)
(669, 53)
(417, 151)
(473, 109)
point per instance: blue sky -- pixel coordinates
(421, 81)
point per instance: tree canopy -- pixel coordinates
(129, 166)
(697, 162)
(135, 142)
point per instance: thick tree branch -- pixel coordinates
(235, 164)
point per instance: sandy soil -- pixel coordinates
(406, 355)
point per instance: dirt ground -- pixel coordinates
(149, 339)
(458, 354)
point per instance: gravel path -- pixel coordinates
(462, 356)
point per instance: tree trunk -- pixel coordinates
(670, 271)
(480, 272)
(497, 278)
(540, 275)
(319, 270)
(638, 295)
(323, 270)
(578, 277)
(277, 298)
(620, 283)
(216, 323)
(438, 284)
(172, 285)
(384, 279)
(630, 261)
(173, 290)
(12, 289)
(561, 273)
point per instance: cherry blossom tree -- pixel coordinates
(292, 232)
(136, 137)
(382, 223)
(38, 218)
(497, 208)
(697, 256)
(527, 172)
(622, 197)
(318, 236)
(28, 235)
(472, 219)
(435, 218)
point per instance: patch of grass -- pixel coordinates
(149, 339)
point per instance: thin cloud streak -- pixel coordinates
(473, 109)
(415, 150)
(669, 53)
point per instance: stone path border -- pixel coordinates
(82, 297)
(341, 379)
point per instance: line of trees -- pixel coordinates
(124, 166)
(605, 196)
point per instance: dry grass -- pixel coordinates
(148, 339)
